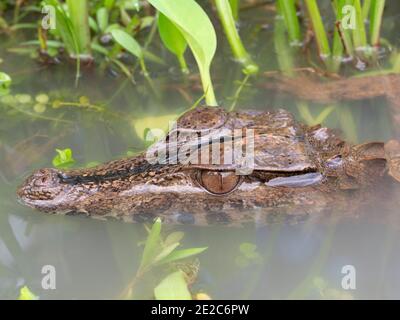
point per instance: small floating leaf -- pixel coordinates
(63, 159)
(26, 294)
(5, 81)
(8, 100)
(23, 98)
(39, 108)
(84, 101)
(173, 287)
(42, 98)
(56, 104)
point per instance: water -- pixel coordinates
(96, 259)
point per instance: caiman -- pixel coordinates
(298, 171)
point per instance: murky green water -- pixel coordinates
(96, 259)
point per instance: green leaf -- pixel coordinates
(26, 294)
(181, 254)
(166, 251)
(152, 243)
(5, 80)
(174, 237)
(173, 287)
(171, 36)
(198, 32)
(64, 27)
(127, 42)
(63, 159)
(5, 83)
(102, 18)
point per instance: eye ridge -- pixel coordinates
(214, 182)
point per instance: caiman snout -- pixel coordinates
(43, 185)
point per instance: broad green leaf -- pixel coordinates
(102, 18)
(182, 254)
(126, 41)
(173, 287)
(152, 243)
(63, 159)
(171, 36)
(26, 294)
(198, 32)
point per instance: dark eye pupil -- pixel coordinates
(219, 182)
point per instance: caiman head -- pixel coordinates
(216, 167)
(45, 191)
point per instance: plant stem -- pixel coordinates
(79, 16)
(238, 91)
(359, 34)
(319, 30)
(284, 54)
(344, 34)
(396, 63)
(337, 45)
(288, 9)
(365, 9)
(208, 88)
(235, 8)
(228, 23)
(377, 8)
(285, 61)
(183, 65)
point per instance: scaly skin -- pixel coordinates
(135, 190)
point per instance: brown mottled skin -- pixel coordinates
(136, 191)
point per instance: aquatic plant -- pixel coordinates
(228, 22)
(202, 41)
(63, 159)
(173, 40)
(5, 83)
(159, 251)
(349, 36)
(26, 294)
(173, 287)
(72, 25)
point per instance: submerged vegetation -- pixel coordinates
(186, 51)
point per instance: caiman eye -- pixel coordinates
(218, 182)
